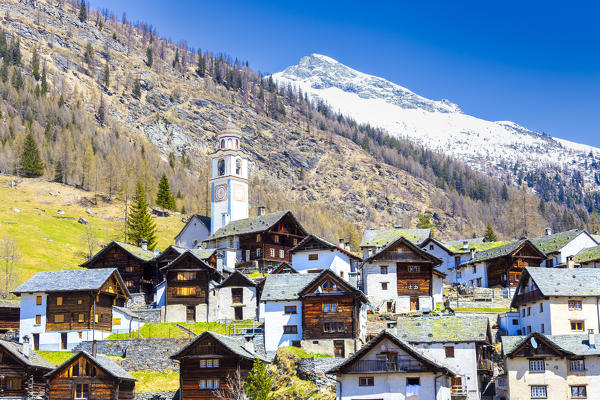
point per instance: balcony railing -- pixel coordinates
(458, 390)
(386, 366)
(485, 365)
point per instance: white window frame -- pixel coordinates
(577, 364)
(539, 392)
(537, 365)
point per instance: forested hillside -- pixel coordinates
(110, 103)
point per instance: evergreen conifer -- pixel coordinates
(140, 225)
(31, 163)
(490, 235)
(258, 383)
(82, 12)
(35, 64)
(164, 198)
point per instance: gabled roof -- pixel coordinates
(74, 280)
(252, 225)
(412, 246)
(478, 246)
(240, 276)
(502, 251)
(195, 256)
(282, 267)
(554, 243)
(381, 237)
(235, 344)
(563, 282)
(588, 255)
(456, 328)
(32, 360)
(202, 253)
(328, 245)
(339, 281)
(134, 251)
(404, 345)
(205, 220)
(279, 287)
(101, 361)
(577, 345)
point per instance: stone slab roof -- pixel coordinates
(325, 243)
(279, 287)
(100, 360)
(443, 329)
(576, 344)
(478, 246)
(235, 344)
(75, 280)
(555, 242)
(382, 237)
(248, 225)
(497, 252)
(588, 255)
(566, 281)
(32, 360)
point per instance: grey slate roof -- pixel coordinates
(462, 241)
(33, 360)
(202, 253)
(235, 344)
(134, 251)
(382, 237)
(128, 312)
(498, 252)
(74, 280)
(588, 255)
(285, 286)
(555, 242)
(325, 243)
(102, 361)
(576, 344)
(457, 328)
(248, 225)
(566, 281)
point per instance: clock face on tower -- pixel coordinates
(220, 192)
(239, 192)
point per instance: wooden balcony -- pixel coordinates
(485, 365)
(372, 366)
(527, 297)
(458, 391)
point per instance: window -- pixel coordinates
(82, 390)
(576, 365)
(574, 305)
(276, 238)
(80, 334)
(456, 261)
(430, 247)
(383, 270)
(129, 284)
(116, 321)
(38, 319)
(329, 286)
(366, 381)
(294, 241)
(541, 307)
(258, 252)
(59, 301)
(330, 307)
(209, 363)
(38, 300)
(478, 282)
(550, 263)
(238, 167)
(258, 237)
(313, 257)
(449, 351)
(208, 384)
(515, 322)
(96, 318)
(130, 268)
(528, 311)
(542, 330)
(290, 310)
(58, 318)
(281, 253)
(384, 285)
(413, 285)
(474, 269)
(221, 167)
(185, 291)
(81, 318)
(578, 392)
(186, 276)
(272, 252)
(537, 366)
(414, 268)
(14, 383)
(332, 327)
(290, 329)
(500, 381)
(79, 301)
(538, 392)
(577, 326)
(523, 311)
(237, 295)
(296, 343)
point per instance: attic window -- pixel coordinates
(329, 286)
(414, 268)
(313, 257)
(276, 238)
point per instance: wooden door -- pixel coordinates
(414, 303)
(389, 306)
(456, 387)
(338, 349)
(36, 341)
(238, 313)
(190, 312)
(63, 341)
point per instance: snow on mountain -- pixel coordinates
(438, 125)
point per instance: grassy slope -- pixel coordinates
(48, 243)
(167, 330)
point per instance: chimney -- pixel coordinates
(347, 246)
(548, 231)
(145, 245)
(369, 253)
(262, 210)
(353, 278)
(94, 348)
(591, 339)
(341, 243)
(220, 262)
(473, 253)
(26, 347)
(570, 262)
(465, 246)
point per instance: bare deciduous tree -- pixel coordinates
(90, 239)
(9, 257)
(233, 388)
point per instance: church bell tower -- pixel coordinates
(229, 179)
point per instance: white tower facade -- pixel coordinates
(229, 180)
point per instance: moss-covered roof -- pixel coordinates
(555, 242)
(596, 238)
(135, 251)
(500, 251)
(250, 225)
(588, 255)
(456, 328)
(382, 237)
(478, 246)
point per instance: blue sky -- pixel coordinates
(535, 63)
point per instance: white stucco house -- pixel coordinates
(236, 299)
(314, 254)
(194, 232)
(125, 320)
(389, 368)
(558, 301)
(559, 246)
(374, 240)
(510, 323)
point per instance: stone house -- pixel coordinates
(237, 298)
(314, 254)
(558, 247)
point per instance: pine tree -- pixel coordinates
(149, 57)
(31, 163)
(140, 225)
(89, 54)
(58, 172)
(424, 221)
(164, 198)
(44, 84)
(106, 75)
(504, 193)
(82, 12)
(183, 211)
(137, 89)
(101, 116)
(201, 70)
(176, 60)
(258, 382)
(490, 235)
(35, 65)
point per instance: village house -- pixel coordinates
(374, 240)
(89, 376)
(22, 371)
(322, 313)
(401, 277)
(9, 316)
(237, 298)
(558, 301)
(588, 258)
(558, 247)
(194, 232)
(172, 252)
(461, 342)
(134, 263)
(552, 367)
(314, 254)
(214, 365)
(500, 266)
(509, 323)
(60, 309)
(390, 368)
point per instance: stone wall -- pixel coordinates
(149, 314)
(140, 354)
(313, 369)
(157, 396)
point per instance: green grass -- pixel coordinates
(151, 381)
(482, 310)
(300, 353)
(166, 330)
(55, 357)
(255, 274)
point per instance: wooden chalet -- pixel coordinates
(284, 268)
(9, 316)
(263, 241)
(89, 376)
(135, 265)
(172, 252)
(208, 365)
(22, 371)
(504, 264)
